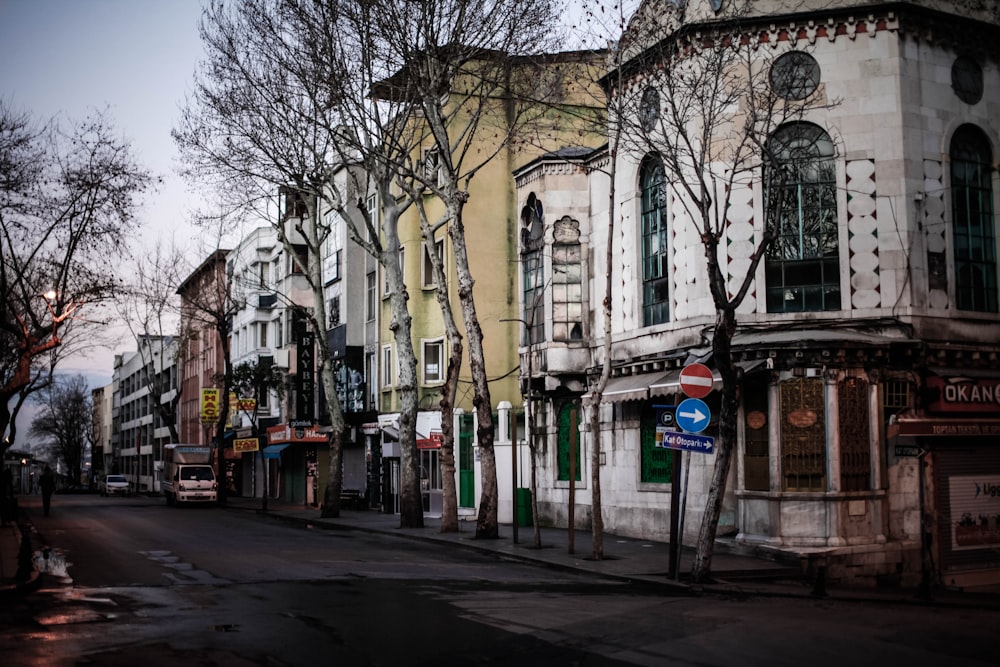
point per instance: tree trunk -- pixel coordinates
(722, 353)
(486, 523)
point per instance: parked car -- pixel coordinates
(115, 485)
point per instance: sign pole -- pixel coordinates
(675, 495)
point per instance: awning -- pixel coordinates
(629, 387)
(273, 451)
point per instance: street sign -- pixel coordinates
(904, 450)
(665, 416)
(693, 415)
(689, 442)
(696, 380)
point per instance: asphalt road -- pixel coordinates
(136, 583)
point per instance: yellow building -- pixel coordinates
(550, 103)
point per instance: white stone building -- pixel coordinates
(868, 342)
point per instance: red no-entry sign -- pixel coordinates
(696, 380)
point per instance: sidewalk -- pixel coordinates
(11, 579)
(625, 559)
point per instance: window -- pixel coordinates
(427, 278)
(795, 75)
(333, 311)
(533, 269)
(655, 286)
(655, 463)
(855, 448)
(433, 360)
(973, 222)
(372, 206)
(387, 366)
(263, 334)
(803, 435)
(336, 266)
(298, 262)
(370, 300)
(649, 109)
(370, 371)
(802, 268)
(262, 274)
(967, 79)
(567, 290)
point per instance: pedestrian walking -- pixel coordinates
(48, 484)
(8, 501)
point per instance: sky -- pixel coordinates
(135, 58)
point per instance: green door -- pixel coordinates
(466, 469)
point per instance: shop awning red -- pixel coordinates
(432, 442)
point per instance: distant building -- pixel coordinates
(144, 380)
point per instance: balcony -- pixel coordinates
(267, 301)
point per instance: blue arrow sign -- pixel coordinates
(693, 415)
(689, 442)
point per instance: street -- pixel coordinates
(135, 582)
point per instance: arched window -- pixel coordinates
(973, 221)
(655, 261)
(533, 269)
(802, 269)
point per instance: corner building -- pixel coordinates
(869, 428)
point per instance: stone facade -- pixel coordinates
(822, 468)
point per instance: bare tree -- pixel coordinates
(67, 201)
(708, 120)
(282, 103)
(149, 308)
(64, 422)
(476, 72)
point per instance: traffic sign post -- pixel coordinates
(689, 442)
(693, 415)
(696, 380)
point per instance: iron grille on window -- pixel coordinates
(803, 435)
(855, 444)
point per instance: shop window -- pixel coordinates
(569, 431)
(803, 435)
(855, 445)
(802, 268)
(656, 464)
(973, 221)
(756, 451)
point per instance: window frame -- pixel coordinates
(387, 376)
(973, 223)
(427, 279)
(425, 346)
(655, 256)
(802, 266)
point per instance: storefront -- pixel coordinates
(295, 459)
(957, 436)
